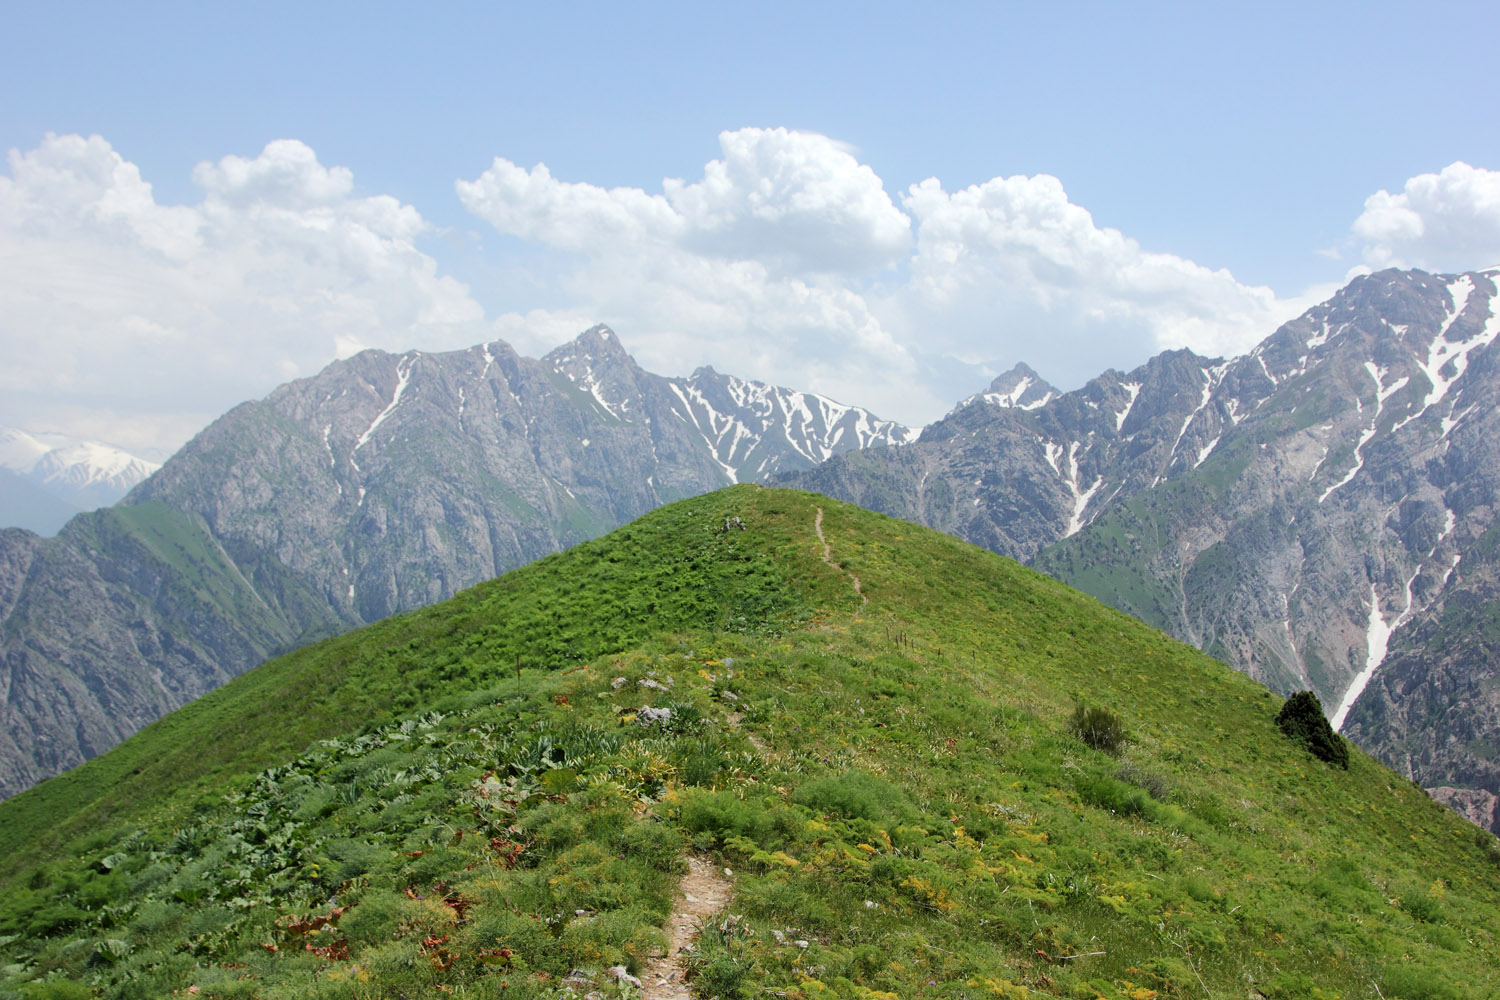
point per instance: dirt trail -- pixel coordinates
(828, 557)
(704, 891)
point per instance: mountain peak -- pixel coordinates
(1020, 387)
(597, 343)
(601, 337)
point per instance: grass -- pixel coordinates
(898, 788)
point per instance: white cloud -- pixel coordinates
(1013, 262)
(749, 269)
(794, 201)
(150, 319)
(1448, 221)
(135, 322)
(789, 262)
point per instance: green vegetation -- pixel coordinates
(1301, 719)
(1099, 728)
(900, 790)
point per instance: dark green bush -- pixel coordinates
(1302, 720)
(721, 976)
(1099, 728)
(709, 818)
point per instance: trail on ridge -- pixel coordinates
(828, 557)
(703, 892)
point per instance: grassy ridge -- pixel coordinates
(896, 786)
(670, 572)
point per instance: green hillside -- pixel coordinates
(469, 800)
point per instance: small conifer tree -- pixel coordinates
(1302, 720)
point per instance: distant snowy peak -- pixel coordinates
(755, 429)
(19, 451)
(89, 463)
(85, 474)
(596, 362)
(51, 477)
(1020, 388)
(567, 404)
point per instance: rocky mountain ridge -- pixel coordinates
(384, 483)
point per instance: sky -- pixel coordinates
(883, 203)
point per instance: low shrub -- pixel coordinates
(1099, 728)
(1149, 782)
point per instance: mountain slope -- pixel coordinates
(892, 780)
(1298, 512)
(384, 483)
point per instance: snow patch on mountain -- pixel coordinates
(1382, 393)
(403, 379)
(1134, 391)
(1377, 639)
(1441, 354)
(1081, 497)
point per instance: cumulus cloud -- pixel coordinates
(1448, 221)
(794, 201)
(788, 261)
(749, 268)
(1013, 261)
(137, 322)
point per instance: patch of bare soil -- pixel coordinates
(704, 892)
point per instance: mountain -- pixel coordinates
(1020, 387)
(757, 430)
(1317, 513)
(45, 479)
(864, 733)
(384, 483)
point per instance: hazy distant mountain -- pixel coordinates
(384, 483)
(52, 477)
(25, 504)
(1317, 512)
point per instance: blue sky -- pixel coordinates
(1212, 164)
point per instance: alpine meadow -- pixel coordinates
(923, 770)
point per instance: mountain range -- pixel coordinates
(45, 479)
(384, 483)
(1318, 513)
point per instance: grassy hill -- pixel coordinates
(470, 800)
